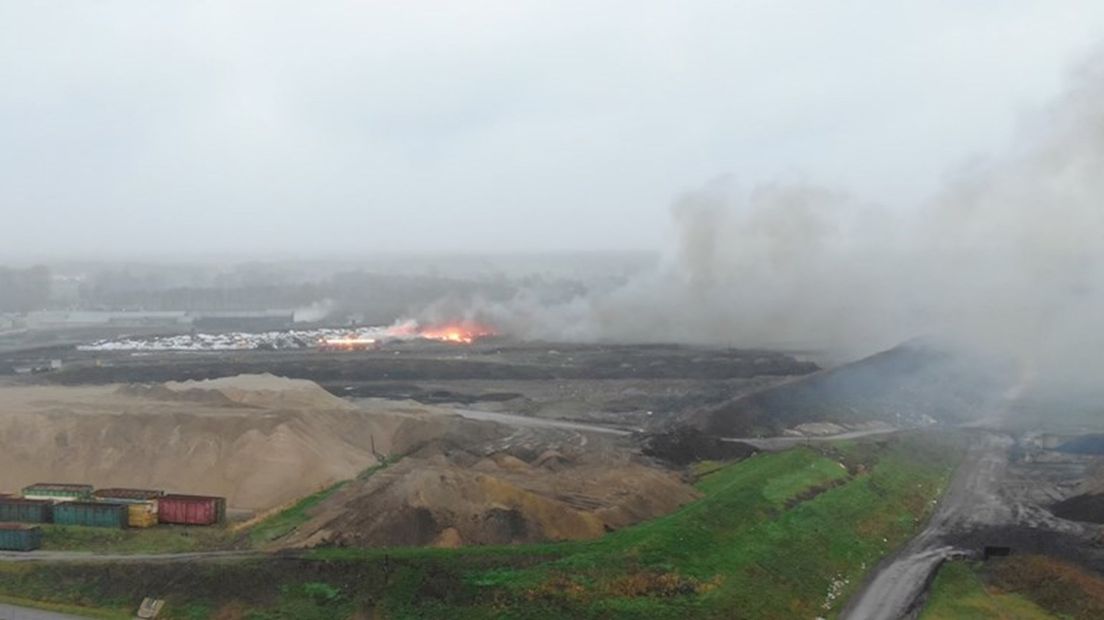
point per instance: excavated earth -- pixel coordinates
(260, 441)
(264, 442)
(444, 495)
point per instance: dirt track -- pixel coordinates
(985, 497)
(87, 556)
(899, 580)
(525, 421)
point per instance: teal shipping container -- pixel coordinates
(14, 510)
(91, 514)
(57, 491)
(19, 537)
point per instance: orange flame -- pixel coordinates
(462, 332)
(347, 343)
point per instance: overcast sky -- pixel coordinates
(325, 128)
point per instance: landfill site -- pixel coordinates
(457, 438)
(487, 442)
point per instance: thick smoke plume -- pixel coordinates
(1008, 259)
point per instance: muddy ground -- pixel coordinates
(633, 386)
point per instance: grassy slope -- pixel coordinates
(777, 536)
(959, 593)
(281, 524)
(739, 552)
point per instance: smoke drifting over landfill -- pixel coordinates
(1007, 259)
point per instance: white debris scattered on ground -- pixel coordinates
(233, 341)
(835, 590)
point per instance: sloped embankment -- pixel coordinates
(261, 441)
(914, 383)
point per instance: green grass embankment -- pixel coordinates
(155, 540)
(784, 535)
(285, 522)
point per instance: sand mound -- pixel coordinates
(262, 442)
(259, 441)
(263, 391)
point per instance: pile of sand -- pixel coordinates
(264, 391)
(264, 442)
(260, 441)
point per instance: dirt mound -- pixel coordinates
(500, 499)
(259, 441)
(264, 391)
(1088, 508)
(685, 444)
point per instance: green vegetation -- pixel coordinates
(283, 523)
(1027, 587)
(1060, 587)
(160, 539)
(776, 536)
(959, 593)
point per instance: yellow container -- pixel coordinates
(142, 515)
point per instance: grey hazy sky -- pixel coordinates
(348, 127)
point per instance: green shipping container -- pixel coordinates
(92, 514)
(58, 492)
(19, 537)
(13, 510)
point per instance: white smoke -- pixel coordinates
(315, 312)
(1009, 258)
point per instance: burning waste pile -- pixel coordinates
(330, 339)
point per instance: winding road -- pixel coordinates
(972, 500)
(515, 420)
(777, 444)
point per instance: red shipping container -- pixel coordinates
(191, 509)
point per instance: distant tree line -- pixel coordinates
(372, 296)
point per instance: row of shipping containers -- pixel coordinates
(115, 508)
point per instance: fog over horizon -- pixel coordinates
(278, 130)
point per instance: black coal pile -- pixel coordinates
(1088, 508)
(912, 384)
(683, 445)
